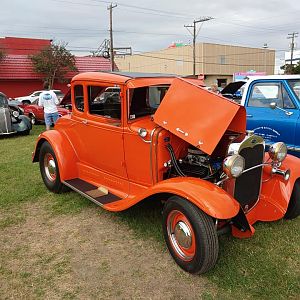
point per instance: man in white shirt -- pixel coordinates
(49, 100)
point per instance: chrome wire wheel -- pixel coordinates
(50, 167)
(181, 235)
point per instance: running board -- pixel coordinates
(98, 195)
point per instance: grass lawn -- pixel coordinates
(266, 266)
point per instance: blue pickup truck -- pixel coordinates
(273, 107)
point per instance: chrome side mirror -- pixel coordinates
(273, 105)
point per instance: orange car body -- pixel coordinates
(111, 154)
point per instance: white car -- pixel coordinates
(35, 95)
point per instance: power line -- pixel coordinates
(201, 62)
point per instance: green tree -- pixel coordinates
(54, 62)
(291, 69)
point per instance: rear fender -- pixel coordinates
(211, 199)
(65, 153)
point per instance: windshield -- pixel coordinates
(145, 100)
(59, 94)
(295, 86)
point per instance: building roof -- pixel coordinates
(22, 46)
(20, 67)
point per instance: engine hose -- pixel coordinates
(174, 161)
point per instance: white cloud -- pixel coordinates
(84, 23)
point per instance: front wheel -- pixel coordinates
(190, 236)
(49, 169)
(293, 210)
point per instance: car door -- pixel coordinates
(97, 136)
(277, 124)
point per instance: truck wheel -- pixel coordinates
(190, 236)
(293, 210)
(49, 169)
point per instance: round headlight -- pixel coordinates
(15, 113)
(233, 165)
(278, 152)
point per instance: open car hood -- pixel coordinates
(66, 99)
(232, 87)
(198, 116)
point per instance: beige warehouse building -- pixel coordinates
(216, 62)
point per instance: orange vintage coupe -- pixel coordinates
(134, 137)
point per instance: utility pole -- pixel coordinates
(112, 60)
(194, 34)
(292, 36)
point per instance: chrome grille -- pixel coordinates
(5, 121)
(247, 186)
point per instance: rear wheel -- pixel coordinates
(49, 169)
(190, 235)
(293, 210)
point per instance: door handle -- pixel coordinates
(249, 116)
(84, 122)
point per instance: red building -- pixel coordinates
(17, 76)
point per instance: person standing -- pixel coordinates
(48, 100)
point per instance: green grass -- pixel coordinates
(266, 266)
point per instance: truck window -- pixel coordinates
(105, 101)
(262, 94)
(295, 86)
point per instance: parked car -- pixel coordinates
(12, 120)
(273, 108)
(167, 139)
(36, 112)
(35, 95)
(234, 91)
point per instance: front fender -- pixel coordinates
(64, 151)
(211, 199)
(275, 192)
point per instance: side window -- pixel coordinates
(262, 94)
(145, 100)
(78, 96)
(287, 102)
(105, 101)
